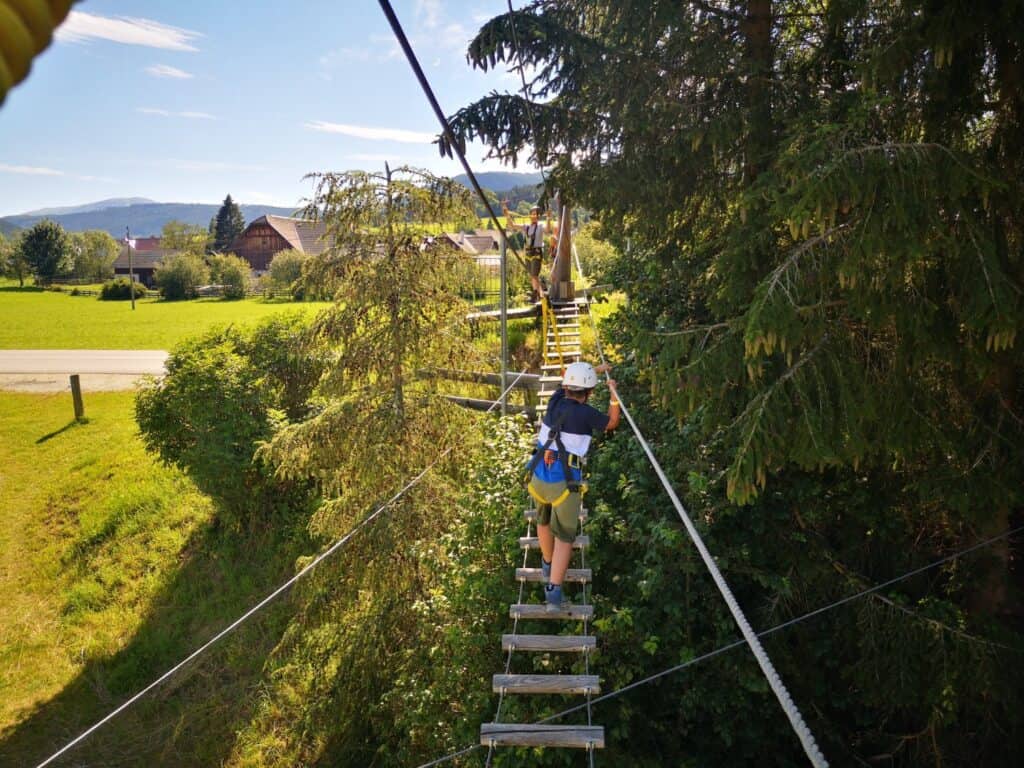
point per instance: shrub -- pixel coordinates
(119, 290)
(225, 392)
(231, 272)
(286, 271)
(180, 276)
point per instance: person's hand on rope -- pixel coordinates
(603, 368)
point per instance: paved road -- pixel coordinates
(47, 370)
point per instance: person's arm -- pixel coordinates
(614, 409)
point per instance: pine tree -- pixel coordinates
(228, 224)
(823, 205)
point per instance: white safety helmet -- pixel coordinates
(579, 376)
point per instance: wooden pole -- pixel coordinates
(504, 327)
(131, 266)
(76, 397)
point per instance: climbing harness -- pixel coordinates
(569, 461)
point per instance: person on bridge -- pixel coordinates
(534, 234)
(555, 471)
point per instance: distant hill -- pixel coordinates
(501, 181)
(7, 229)
(144, 219)
(99, 205)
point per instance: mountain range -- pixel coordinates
(145, 217)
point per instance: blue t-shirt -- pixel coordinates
(580, 422)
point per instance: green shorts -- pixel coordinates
(563, 516)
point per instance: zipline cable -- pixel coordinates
(764, 633)
(267, 600)
(455, 146)
(796, 720)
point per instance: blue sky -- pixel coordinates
(186, 101)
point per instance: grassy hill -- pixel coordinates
(115, 566)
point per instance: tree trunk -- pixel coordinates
(756, 28)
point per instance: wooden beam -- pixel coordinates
(525, 381)
(571, 643)
(536, 611)
(524, 735)
(574, 575)
(486, 405)
(517, 313)
(566, 684)
(532, 542)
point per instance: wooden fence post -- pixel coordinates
(76, 396)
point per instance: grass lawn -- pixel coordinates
(90, 528)
(114, 567)
(34, 319)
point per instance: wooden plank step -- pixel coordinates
(526, 735)
(550, 380)
(574, 575)
(565, 684)
(569, 643)
(571, 611)
(571, 352)
(532, 542)
(531, 513)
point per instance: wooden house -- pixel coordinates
(269, 235)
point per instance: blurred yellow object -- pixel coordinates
(38, 17)
(26, 29)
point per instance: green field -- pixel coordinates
(114, 567)
(34, 319)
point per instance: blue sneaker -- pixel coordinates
(554, 598)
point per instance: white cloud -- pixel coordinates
(29, 170)
(167, 113)
(428, 13)
(372, 133)
(81, 27)
(163, 70)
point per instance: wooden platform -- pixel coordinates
(554, 643)
(572, 575)
(564, 684)
(571, 612)
(515, 735)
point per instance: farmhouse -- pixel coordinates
(474, 243)
(144, 262)
(269, 235)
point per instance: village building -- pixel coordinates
(143, 262)
(269, 235)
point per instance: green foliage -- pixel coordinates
(824, 286)
(232, 272)
(395, 312)
(12, 260)
(184, 238)
(94, 253)
(286, 269)
(226, 392)
(121, 290)
(598, 255)
(226, 226)
(46, 250)
(180, 275)
(403, 628)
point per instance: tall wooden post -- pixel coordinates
(561, 270)
(131, 266)
(76, 397)
(504, 327)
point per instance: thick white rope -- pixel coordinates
(265, 601)
(796, 720)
